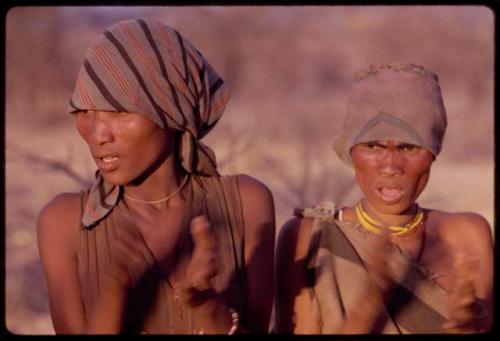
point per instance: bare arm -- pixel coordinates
(259, 236)
(58, 228)
(57, 242)
(294, 307)
(210, 309)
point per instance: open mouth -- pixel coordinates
(390, 194)
(107, 163)
(108, 159)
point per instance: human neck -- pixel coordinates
(162, 182)
(390, 219)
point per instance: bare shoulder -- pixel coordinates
(60, 216)
(58, 226)
(259, 238)
(257, 206)
(256, 201)
(62, 206)
(465, 222)
(463, 228)
(251, 188)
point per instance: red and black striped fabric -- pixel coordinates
(146, 67)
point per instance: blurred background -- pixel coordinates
(289, 69)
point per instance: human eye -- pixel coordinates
(80, 113)
(408, 147)
(121, 115)
(370, 146)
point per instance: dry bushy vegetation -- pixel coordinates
(289, 69)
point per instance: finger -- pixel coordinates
(462, 272)
(456, 328)
(203, 275)
(202, 234)
(463, 294)
(208, 264)
(203, 268)
(449, 324)
(464, 266)
(461, 302)
(204, 258)
(462, 308)
(201, 282)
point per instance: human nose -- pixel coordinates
(390, 164)
(100, 131)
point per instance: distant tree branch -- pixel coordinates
(51, 164)
(235, 149)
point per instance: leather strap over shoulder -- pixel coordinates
(417, 305)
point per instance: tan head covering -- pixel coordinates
(145, 67)
(393, 101)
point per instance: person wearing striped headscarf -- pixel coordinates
(161, 243)
(386, 265)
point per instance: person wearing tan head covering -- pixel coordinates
(400, 102)
(386, 265)
(161, 243)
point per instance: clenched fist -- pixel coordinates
(197, 287)
(466, 313)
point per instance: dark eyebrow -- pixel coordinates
(401, 145)
(372, 143)
(75, 112)
(405, 145)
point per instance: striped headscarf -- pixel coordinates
(145, 67)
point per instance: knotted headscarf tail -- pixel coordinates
(393, 101)
(143, 66)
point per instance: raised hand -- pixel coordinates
(210, 309)
(202, 268)
(465, 310)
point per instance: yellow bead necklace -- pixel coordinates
(396, 230)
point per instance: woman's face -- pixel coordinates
(125, 146)
(391, 174)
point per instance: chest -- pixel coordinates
(167, 237)
(413, 247)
